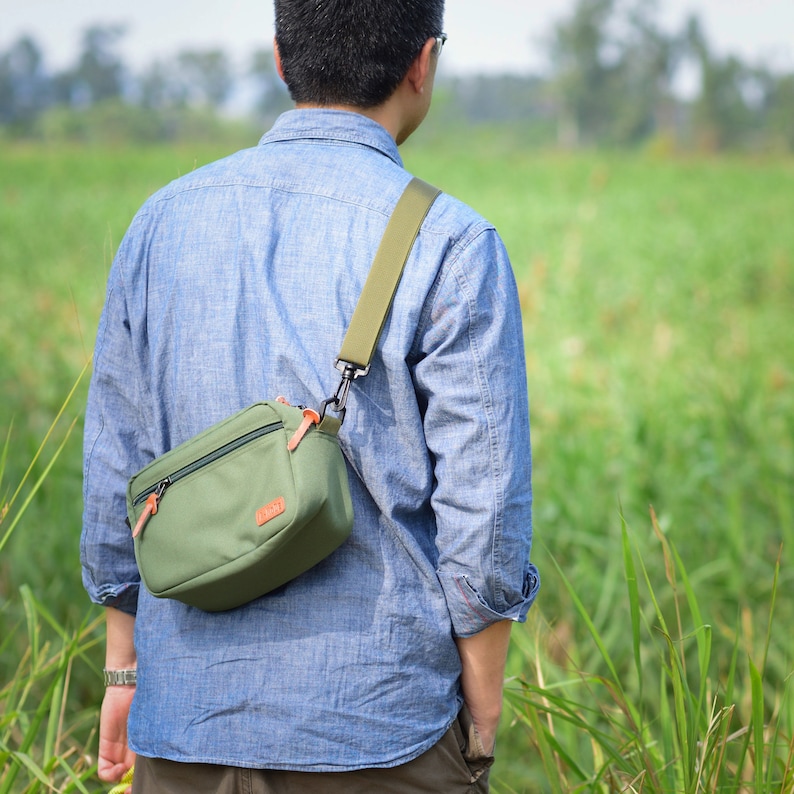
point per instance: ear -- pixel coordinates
(277, 59)
(421, 67)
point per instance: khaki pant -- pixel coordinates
(456, 765)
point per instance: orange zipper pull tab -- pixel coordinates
(310, 417)
(149, 510)
(152, 503)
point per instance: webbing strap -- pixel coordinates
(384, 276)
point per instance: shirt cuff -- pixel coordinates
(123, 597)
(471, 613)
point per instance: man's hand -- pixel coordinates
(483, 659)
(115, 757)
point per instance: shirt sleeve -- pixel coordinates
(471, 377)
(115, 446)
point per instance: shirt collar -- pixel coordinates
(332, 125)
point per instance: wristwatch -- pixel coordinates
(128, 677)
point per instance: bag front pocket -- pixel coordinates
(240, 509)
(238, 474)
(154, 493)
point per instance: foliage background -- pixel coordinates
(656, 284)
(615, 77)
(656, 294)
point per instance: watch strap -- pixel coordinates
(126, 677)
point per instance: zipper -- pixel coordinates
(159, 488)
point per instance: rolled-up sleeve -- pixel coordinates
(115, 446)
(472, 377)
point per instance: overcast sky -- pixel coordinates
(489, 36)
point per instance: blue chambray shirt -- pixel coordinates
(234, 284)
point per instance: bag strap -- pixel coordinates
(377, 295)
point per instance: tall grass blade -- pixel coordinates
(580, 608)
(56, 705)
(634, 600)
(772, 602)
(652, 595)
(547, 754)
(757, 691)
(703, 637)
(35, 488)
(76, 781)
(681, 696)
(668, 743)
(3, 459)
(21, 759)
(31, 731)
(21, 511)
(34, 631)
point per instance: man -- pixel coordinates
(381, 668)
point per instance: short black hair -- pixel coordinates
(351, 52)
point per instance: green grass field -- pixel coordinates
(657, 298)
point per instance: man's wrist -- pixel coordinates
(127, 676)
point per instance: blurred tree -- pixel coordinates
(721, 112)
(24, 84)
(580, 51)
(778, 109)
(206, 77)
(612, 78)
(99, 74)
(642, 81)
(498, 98)
(161, 86)
(270, 93)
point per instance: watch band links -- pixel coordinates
(127, 677)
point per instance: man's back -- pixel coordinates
(236, 284)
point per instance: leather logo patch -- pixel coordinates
(270, 511)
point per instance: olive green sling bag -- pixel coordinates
(261, 497)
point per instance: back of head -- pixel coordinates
(351, 52)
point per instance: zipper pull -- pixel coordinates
(152, 503)
(310, 418)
